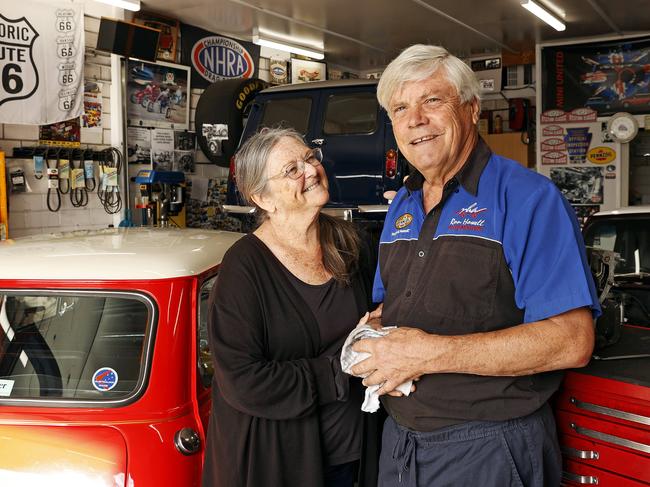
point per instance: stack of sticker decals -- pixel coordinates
(560, 147)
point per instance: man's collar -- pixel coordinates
(468, 176)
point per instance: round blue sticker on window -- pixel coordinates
(104, 379)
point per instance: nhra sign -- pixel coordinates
(41, 62)
(214, 57)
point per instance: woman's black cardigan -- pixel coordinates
(269, 379)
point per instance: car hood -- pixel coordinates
(56, 456)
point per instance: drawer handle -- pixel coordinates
(615, 413)
(584, 454)
(579, 479)
(616, 440)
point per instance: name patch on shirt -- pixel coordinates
(469, 218)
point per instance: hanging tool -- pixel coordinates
(89, 170)
(39, 165)
(53, 193)
(78, 191)
(63, 164)
(108, 192)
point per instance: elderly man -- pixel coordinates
(482, 268)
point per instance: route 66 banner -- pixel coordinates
(41, 62)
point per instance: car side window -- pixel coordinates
(76, 345)
(288, 112)
(351, 113)
(206, 369)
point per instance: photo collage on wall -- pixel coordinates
(162, 149)
(572, 157)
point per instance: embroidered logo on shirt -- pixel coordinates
(470, 219)
(403, 221)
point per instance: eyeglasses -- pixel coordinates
(295, 169)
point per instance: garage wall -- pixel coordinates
(204, 169)
(28, 213)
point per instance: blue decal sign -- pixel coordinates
(214, 57)
(104, 379)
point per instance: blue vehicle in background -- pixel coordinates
(343, 118)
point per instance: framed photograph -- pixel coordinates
(169, 28)
(158, 95)
(579, 185)
(305, 71)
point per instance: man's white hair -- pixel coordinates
(420, 61)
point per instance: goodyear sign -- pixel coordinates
(601, 155)
(214, 57)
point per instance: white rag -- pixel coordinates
(349, 358)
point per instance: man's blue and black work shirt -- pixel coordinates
(502, 247)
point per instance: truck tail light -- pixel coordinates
(391, 163)
(231, 170)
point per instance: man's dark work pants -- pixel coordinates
(518, 452)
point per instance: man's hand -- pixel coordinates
(395, 358)
(374, 318)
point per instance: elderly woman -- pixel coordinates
(287, 296)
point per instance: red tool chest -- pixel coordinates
(603, 416)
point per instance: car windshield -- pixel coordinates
(630, 238)
(73, 346)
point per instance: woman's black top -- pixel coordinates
(335, 309)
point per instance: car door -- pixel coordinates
(205, 368)
(350, 132)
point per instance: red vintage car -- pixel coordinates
(105, 370)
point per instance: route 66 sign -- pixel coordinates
(67, 74)
(65, 21)
(17, 67)
(41, 61)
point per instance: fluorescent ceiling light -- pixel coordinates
(287, 47)
(546, 16)
(133, 5)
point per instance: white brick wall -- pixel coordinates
(28, 213)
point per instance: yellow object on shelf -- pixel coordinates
(4, 197)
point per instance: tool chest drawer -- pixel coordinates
(604, 445)
(575, 473)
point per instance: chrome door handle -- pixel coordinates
(616, 440)
(579, 479)
(318, 141)
(614, 413)
(584, 454)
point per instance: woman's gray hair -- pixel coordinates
(420, 61)
(340, 243)
(252, 158)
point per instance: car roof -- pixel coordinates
(115, 254)
(626, 210)
(319, 85)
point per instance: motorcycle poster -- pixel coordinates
(158, 95)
